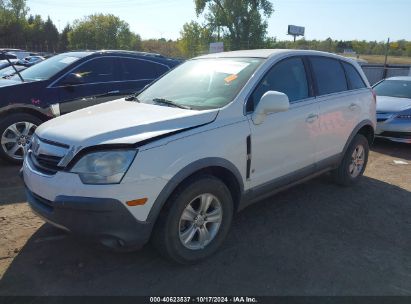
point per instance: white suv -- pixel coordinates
(174, 163)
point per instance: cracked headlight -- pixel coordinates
(106, 167)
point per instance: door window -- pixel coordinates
(135, 69)
(97, 70)
(354, 78)
(329, 75)
(288, 77)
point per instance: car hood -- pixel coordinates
(120, 122)
(387, 104)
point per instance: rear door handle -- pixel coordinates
(353, 106)
(114, 92)
(311, 118)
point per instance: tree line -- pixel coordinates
(240, 24)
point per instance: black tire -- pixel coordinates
(342, 174)
(9, 120)
(166, 234)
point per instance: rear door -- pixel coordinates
(100, 84)
(339, 106)
(285, 142)
(136, 73)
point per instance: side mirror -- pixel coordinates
(72, 79)
(271, 102)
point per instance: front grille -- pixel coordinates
(405, 135)
(45, 163)
(46, 155)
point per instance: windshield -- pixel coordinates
(394, 88)
(202, 83)
(47, 68)
(10, 71)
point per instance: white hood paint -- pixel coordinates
(387, 104)
(120, 122)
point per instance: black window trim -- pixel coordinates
(310, 83)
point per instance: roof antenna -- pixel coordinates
(12, 65)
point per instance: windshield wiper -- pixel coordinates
(12, 65)
(170, 103)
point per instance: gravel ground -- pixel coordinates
(314, 239)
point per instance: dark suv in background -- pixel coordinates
(68, 82)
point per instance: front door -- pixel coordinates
(285, 142)
(97, 85)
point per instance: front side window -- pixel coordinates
(394, 88)
(354, 78)
(329, 75)
(202, 83)
(96, 70)
(288, 77)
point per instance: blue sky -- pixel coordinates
(338, 19)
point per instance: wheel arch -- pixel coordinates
(365, 128)
(221, 168)
(15, 109)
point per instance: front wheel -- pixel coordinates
(16, 131)
(354, 162)
(195, 221)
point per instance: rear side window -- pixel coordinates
(136, 69)
(354, 78)
(97, 70)
(329, 75)
(287, 76)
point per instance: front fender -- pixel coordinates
(185, 173)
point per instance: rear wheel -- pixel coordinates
(16, 131)
(354, 162)
(195, 221)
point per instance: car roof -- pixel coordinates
(267, 53)
(152, 56)
(118, 52)
(401, 78)
(79, 54)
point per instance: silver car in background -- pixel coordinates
(394, 109)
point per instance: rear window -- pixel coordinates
(354, 78)
(329, 75)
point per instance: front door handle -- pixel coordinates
(311, 118)
(88, 98)
(353, 106)
(114, 92)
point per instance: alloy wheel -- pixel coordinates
(200, 221)
(357, 161)
(16, 138)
